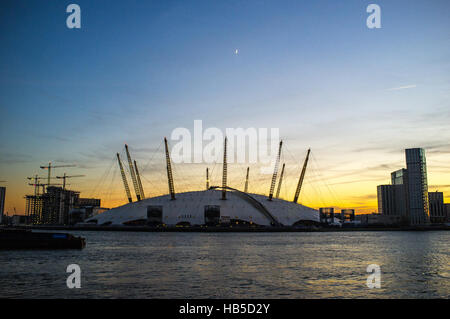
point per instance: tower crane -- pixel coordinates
(37, 184)
(49, 167)
(66, 176)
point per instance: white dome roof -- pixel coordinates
(190, 207)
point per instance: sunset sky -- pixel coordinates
(136, 70)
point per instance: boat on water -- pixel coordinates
(12, 238)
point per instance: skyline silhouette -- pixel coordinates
(136, 71)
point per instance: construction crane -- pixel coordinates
(141, 189)
(133, 174)
(275, 172)
(49, 167)
(65, 176)
(169, 171)
(281, 180)
(36, 184)
(302, 176)
(224, 173)
(124, 178)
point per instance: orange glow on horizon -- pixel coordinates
(340, 190)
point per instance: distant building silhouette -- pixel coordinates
(2, 202)
(55, 207)
(392, 201)
(438, 212)
(447, 211)
(85, 208)
(417, 186)
(407, 196)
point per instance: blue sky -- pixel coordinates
(138, 69)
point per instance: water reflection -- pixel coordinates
(236, 265)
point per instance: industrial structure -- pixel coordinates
(52, 203)
(54, 207)
(215, 206)
(85, 208)
(330, 217)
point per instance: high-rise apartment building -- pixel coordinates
(416, 165)
(438, 213)
(407, 196)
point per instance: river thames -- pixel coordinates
(235, 265)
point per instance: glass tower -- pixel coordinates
(416, 166)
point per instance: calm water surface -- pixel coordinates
(235, 265)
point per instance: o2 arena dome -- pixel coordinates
(207, 208)
(215, 206)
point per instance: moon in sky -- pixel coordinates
(236, 51)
